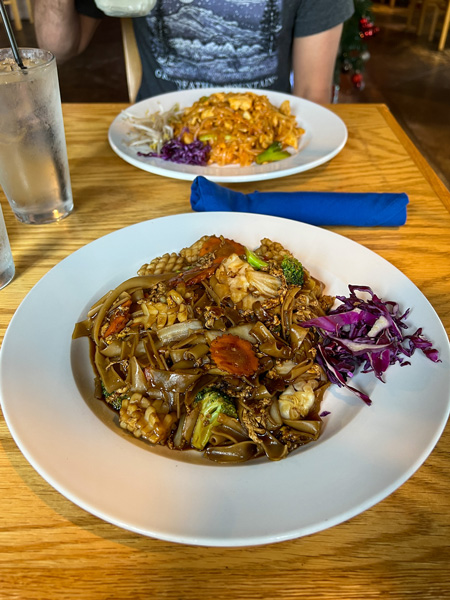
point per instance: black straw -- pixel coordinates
(10, 34)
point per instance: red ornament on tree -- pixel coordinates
(366, 28)
(357, 80)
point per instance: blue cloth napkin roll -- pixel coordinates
(316, 208)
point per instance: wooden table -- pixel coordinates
(50, 548)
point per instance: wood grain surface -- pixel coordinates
(400, 548)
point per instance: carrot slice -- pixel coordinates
(119, 319)
(209, 245)
(234, 355)
(226, 248)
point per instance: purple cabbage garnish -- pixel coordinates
(367, 334)
(175, 150)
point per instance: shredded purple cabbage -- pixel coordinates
(324, 413)
(175, 150)
(365, 333)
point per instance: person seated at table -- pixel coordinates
(187, 44)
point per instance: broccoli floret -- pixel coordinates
(292, 270)
(254, 260)
(112, 398)
(212, 403)
(273, 153)
(104, 392)
(116, 403)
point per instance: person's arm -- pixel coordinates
(313, 60)
(61, 29)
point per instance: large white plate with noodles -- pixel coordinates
(325, 136)
(364, 454)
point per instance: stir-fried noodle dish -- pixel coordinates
(204, 350)
(231, 128)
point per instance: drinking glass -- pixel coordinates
(6, 259)
(34, 171)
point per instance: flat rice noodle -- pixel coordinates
(196, 352)
(129, 347)
(136, 377)
(202, 302)
(189, 424)
(212, 334)
(287, 308)
(171, 381)
(176, 355)
(232, 315)
(178, 331)
(152, 353)
(143, 282)
(240, 452)
(95, 307)
(178, 437)
(110, 378)
(232, 428)
(82, 329)
(273, 448)
(210, 291)
(216, 438)
(269, 344)
(312, 428)
(205, 380)
(137, 295)
(276, 349)
(297, 335)
(183, 364)
(300, 369)
(244, 332)
(261, 392)
(195, 338)
(113, 350)
(275, 415)
(260, 331)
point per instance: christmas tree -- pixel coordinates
(353, 52)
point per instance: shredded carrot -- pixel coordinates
(234, 355)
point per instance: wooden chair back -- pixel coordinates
(133, 65)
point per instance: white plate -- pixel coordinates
(325, 136)
(364, 454)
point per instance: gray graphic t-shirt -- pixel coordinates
(188, 44)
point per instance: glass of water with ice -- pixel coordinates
(34, 171)
(6, 259)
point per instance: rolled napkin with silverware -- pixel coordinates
(315, 208)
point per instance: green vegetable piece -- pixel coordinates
(207, 137)
(213, 402)
(254, 260)
(104, 391)
(115, 401)
(273, 153)
(293, 270)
